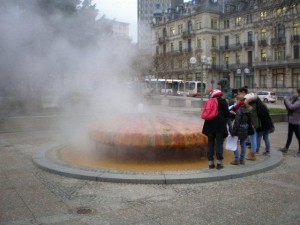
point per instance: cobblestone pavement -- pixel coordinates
(29, 195)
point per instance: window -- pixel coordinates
(263, 15)
(213, 24)
(263, 79)
(297, 52)
(198, 25)
(237, 57)
(189, 45)
(213, 41)
(226, 60)
(157, 50)
(278, 78)
(280, 12)
(164, 32)
(190, 25)
(180, 28)
(180, 63)
(214, 60)
(237, 80)
(279, 53)
(226, 24)
(226, 42)
(180, 46)
(249, 19)
(263, 34)
(172, 31)
(172, 64)
(296, 29)
(263, 54)
(156, 35)
(296, 78)
(250, 37)
(280, 31)
(237, 39)
(249, 78)
(198, 42)
(238, 21)
(172, 47)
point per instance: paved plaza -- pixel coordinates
(30, 195)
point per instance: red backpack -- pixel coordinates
(210, 109)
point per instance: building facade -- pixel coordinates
(145, 16)
(253, 43)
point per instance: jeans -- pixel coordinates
(243, 151)
(213, 138)
(265, 136)
(293, 128)
(253, 141)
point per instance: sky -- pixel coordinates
(121, 10)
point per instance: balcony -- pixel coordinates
(188, 50)
(263, 43)
(215, 49)
(241, 66)
(231, 47)
(278, 41)
(295, 39)
(188, 34)
(275, 63)
(163, 40)
(175, 53)
(249, 44)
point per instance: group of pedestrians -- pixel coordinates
(249, 119)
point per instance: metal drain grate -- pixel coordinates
(84, 211)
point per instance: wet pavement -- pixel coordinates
(30, 195)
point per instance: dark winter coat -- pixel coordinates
(266, 123)
(219, 123)
(243, 127)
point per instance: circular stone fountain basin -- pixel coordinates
(144, 131)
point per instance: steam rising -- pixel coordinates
(65, 54)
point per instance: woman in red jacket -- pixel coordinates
(216, 131)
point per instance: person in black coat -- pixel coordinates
(216, 130)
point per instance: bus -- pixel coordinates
(165, 86)
(194, 88)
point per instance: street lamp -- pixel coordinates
(204, 61)
(245, 73)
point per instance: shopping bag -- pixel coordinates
(231, 143)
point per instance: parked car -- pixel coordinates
(267, 96)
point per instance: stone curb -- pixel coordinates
(176, 177)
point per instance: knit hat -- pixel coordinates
(215, 93)
(249, 96)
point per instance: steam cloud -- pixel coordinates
(60, 52)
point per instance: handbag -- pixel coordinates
(231, 143)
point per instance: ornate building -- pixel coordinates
(250, 42)
(145, 15)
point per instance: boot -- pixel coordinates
(235, 162)
(251, 156)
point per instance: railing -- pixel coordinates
(263, 42)
(295, 38)
(249, 44)
(231, 47)
(278, 41)
(188, 34)
(162, 40)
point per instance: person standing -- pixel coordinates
(242, 128)
(216, 131)
(266, 127)
(250, 98)
(293, 108)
